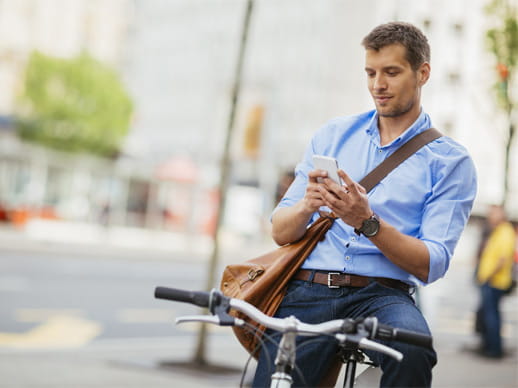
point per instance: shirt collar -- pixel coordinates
(422, 123)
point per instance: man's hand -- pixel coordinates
(349, 202)
(289, 223)
(313, 199)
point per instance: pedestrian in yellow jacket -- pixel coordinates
(494, 275)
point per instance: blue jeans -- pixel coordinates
(491, 321)
(314, 303)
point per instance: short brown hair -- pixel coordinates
(406, 34)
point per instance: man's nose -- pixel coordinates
(379, 83)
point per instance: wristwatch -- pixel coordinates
(370, 227)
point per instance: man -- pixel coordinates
(408, 224)
(494, 275)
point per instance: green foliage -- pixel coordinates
(502, 41)
(76, 105)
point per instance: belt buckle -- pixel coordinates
(329, 279)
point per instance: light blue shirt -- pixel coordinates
(429, 196)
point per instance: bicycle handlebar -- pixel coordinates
(372, 328)
(199, 298)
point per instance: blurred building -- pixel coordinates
(42, 184)
(303, 66)
(60, 28)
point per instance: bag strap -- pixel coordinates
(398, 157)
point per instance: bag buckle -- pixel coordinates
(254, 272)
(329, 280)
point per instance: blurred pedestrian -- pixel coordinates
(494, 275)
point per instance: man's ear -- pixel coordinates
(423, 73)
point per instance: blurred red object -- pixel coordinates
(179, 169)
(503, 71)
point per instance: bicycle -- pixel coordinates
(351, 334)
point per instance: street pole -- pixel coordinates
(199, 357)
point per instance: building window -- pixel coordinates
(458, 29)
(453, 78)
(447, 127)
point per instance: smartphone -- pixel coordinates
(328, 164)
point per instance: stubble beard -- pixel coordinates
(398, 110)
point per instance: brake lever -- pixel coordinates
(376, 346)
(219, 305)
(198, 318)
(362, 342)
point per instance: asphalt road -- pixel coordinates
(115, 296)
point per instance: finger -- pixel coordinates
(315, 174)
(351, 185)
(323, 194)
(330, 198)
(334, 187)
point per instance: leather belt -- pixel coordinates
(339, 279)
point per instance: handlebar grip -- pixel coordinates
(413, 338)
(386, 332)
(199, 298)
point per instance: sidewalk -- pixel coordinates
(69, 237)
(53, 237)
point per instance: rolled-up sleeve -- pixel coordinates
(447, 210)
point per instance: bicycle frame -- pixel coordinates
(285, 361)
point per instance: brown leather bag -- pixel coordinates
(262, 281)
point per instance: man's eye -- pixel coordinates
(392, 73)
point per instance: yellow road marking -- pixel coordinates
(59, 331)
(40, 315)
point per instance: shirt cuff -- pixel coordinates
(439, 261)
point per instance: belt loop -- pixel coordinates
(311, 275)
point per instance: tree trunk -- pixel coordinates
(508, 147)
(200, 356)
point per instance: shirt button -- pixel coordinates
(380, 151)
(347, 257)
(353, 238)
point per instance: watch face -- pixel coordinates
(370, 227)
